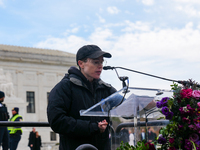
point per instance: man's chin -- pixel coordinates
(97, 77)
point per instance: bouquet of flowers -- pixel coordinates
(183, 112)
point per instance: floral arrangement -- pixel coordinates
(183, 113)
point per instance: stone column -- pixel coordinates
(41, 111)
(20, 79)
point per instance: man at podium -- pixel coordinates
(79, 90)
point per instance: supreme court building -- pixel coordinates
(27, 75)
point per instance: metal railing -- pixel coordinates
(23, 124)
(46, 124)
(142, 124)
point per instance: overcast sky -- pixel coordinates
(158, 37)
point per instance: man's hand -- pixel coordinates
(102, 125)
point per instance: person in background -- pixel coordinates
(131, 138)
(31, 139)
(151, 135)
(15, 132)
(143, 136)
(38, 142)
(124, 135)
(4, 116)
(80, 89)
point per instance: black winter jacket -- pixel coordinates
(4, 115)
(72, 94)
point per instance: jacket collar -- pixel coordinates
(81, 83)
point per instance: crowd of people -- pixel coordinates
(11, 136)
(127, 136)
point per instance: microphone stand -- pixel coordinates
(185, 83)
(122, 78)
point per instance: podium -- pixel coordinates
(132, 109)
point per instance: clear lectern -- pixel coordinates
(130, 110)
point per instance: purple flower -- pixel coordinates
(169, 115)
(198, 142)
(158, 104)
(188, 145)
(162, 140)
(190, 109)
(197, 125)
(180, 127)
(194, 137)
(181, 110)
(165, 110)
(164, 101)
(197, 148)
(186, 120)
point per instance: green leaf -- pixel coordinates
(161, 118)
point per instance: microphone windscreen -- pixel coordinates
(107, 67)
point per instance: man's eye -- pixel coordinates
(96, 62)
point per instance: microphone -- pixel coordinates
(108, 67)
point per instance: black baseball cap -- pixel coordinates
(91, 51)
(16, 109)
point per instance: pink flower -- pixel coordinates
(198, 104)
(171, 148)
(186, 93)
(196, 94)
(186, 120)
(171, 140)
(192, 127)
(180, 127)
(151, 146)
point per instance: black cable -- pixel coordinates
(147, 74)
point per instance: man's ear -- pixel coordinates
(81, 64)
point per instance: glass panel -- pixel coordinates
(126, 104)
